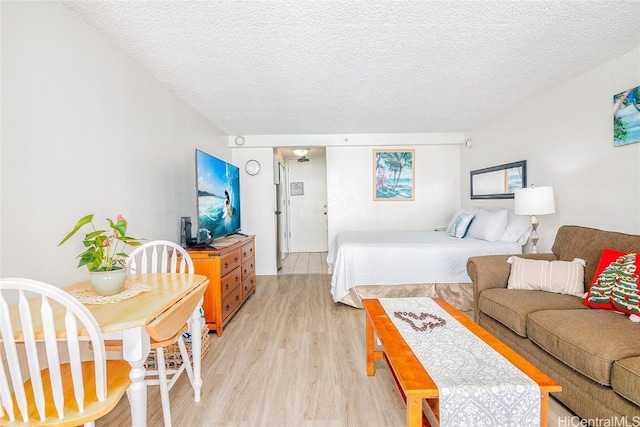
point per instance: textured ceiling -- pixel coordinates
(355, 66)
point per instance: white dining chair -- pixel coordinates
(162, 256)
(37, 337)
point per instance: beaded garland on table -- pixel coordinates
(402, 315)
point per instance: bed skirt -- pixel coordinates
(460, 295)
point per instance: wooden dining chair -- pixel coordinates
(37, 337)
(162, 256)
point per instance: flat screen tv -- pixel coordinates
(218, 193)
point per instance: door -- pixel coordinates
(281, 216)
(308, 205)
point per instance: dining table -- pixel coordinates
(167, 301)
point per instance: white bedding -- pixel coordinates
(395, 258)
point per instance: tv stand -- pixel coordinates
(230, 267)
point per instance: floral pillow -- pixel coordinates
(461, 225)
(615, 286)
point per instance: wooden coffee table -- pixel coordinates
(412, 379)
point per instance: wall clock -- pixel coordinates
(252, 167)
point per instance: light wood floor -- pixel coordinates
(289, 357)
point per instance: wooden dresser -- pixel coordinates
(230, 267)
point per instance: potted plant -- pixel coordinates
(104, 256)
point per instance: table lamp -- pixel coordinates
(534, 201)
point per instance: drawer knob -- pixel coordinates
(237, 297)
(226, 286)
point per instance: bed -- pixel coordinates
(420, 263)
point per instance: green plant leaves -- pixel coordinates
(83, 221)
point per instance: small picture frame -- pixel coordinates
(296, 189)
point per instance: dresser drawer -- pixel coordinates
(248, 267)
(229, 261)
(248, 285)
(229, 282)
(231, 301)
(247, 251)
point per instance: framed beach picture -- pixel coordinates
(393, 175)
(626, 117)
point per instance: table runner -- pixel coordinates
(477, 386)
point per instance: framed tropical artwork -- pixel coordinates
(626, 117)
(393, 175)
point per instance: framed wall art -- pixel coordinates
(393, 175)
(626, 117)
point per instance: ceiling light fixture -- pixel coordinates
(300, 152)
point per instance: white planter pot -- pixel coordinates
(108, 282)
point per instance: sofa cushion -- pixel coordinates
(589, 341)
(616, 282)
(560, 277)
(625, 378)
(512, 306)
(573, 241)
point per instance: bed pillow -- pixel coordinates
(615, 283)
(559, 277)
(518, 228)
(488, 225)
(461, 225)
(457, 214)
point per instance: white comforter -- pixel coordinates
(395, 258)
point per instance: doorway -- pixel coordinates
(307, 205)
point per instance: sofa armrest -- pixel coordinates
(492, 271)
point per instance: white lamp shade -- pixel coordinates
(534, 201)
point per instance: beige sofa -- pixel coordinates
(593, 354)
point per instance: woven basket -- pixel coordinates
(172, 356)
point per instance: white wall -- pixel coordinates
(257, 205)
(86, 130)
(350, 191)
(566, 136)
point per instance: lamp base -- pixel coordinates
(534, 234)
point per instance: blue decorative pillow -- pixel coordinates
(461, 225)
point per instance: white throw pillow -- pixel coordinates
(457, 214)
(559, 277)
(461, 225)
(489, 225)
(518, 228)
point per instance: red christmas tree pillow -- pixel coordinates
(615, 286)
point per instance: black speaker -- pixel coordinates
(185, 231)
